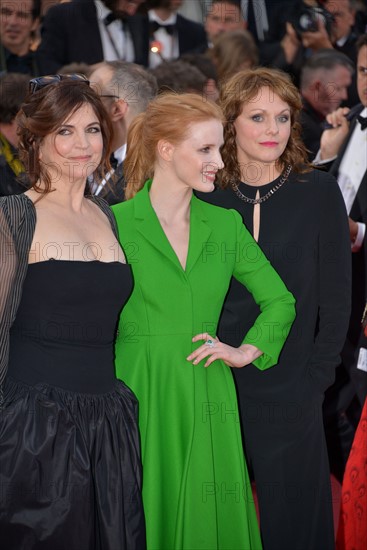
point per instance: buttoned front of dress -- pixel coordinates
(190, 432)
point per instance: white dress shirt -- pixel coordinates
(169, 43)
(351, 172)
(116, 40)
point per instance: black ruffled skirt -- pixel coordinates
(70, 475)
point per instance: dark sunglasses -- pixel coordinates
(41, 81)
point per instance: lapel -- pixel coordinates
(359, 207)
(181, 34)
(150, 228)
(139, 31)
(114, 191)
(86, 26)
(186, 34)
(200, 231)
(191, 35)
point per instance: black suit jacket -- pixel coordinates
(114, 191)
(349, 47)
(350, 50)
(358, 213)
(70, 33)
(191, 35)
(311, 122)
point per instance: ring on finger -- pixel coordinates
(210, 343)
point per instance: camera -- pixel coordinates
(307, 20)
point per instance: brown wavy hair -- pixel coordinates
(43, 112)
(241, 89)
(168, 117)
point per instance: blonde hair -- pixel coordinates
(241, 89)
(168, 117)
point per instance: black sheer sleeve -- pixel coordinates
(17, 223)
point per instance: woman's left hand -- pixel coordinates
(214, 349)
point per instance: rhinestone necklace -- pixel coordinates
(283, 179)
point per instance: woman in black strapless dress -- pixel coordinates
(70, 473)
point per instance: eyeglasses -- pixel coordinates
(41, 81)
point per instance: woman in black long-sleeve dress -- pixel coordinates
(298, 217)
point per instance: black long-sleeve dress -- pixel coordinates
(304, 233)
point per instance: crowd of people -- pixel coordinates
(201, 345)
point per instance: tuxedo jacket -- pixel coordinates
(358, 213)
(350, 50)
(70, 33)
(349, 47)
(114, 193)
(311, 122)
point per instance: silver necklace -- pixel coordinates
(265, 197)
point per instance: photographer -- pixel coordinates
(297, 32)
(305, 28)
(345, 34)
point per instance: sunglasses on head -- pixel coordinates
(41, 81)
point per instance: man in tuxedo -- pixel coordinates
(168, 35)
(91, 31)
(343, 148)
(125, 89)
(344, 151)
(342, 30)
(345, 36)
(325, 78)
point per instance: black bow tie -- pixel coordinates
(111, 17)
(154, 26)
(362, 121)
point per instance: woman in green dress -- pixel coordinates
(183, 253)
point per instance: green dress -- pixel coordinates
(196, 490)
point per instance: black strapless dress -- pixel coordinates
(70, 473)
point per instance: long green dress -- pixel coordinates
(196, 489)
